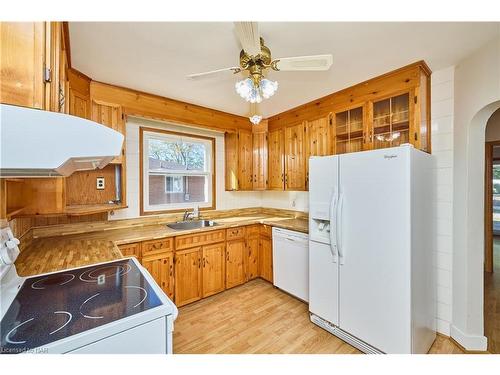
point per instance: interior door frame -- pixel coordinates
(488, 205)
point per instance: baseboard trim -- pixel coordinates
(469, 343)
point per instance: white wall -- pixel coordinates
(224, 199)
(477, 96)
(442, 149)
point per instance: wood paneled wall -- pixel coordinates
(160, 108)
(396, 80)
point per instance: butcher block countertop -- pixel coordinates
(80, 248)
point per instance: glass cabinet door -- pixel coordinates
(349, 131)
(391, 123)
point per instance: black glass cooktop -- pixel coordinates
(52, 307)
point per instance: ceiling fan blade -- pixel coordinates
(214, 73)
(248, 34)
(303, 63)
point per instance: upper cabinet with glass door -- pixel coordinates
(391, 121)
(348, 130)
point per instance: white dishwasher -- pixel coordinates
(291, 262)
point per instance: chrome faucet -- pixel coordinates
(194, 215)
(186, 216)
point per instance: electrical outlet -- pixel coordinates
(100, 183)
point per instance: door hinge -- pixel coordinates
(47, 75)
(415, 99)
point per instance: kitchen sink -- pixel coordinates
(186, 225)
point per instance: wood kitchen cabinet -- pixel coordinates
(259, 160)
(236, 254)
(231, 159)
(276, 161)
(132, 249)
(213, 269)
(22, 63)
(111, 115)
(389, 122)
(79, 94)
(295, 177)
(188, 276)
(161, 268)
(245, 161)
(318, 140)
(266, 254)
(252, 248)
(349, 130)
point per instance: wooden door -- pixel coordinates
(235, 263)
(295, 178)
(79, 104)
(22, 60)
(245, 176)
(79, 94)
(318, 140)
(253, 256)
(231, 156)
(161, 267)
(259, 160)
(213, 269)
(111, 115)
(276, 164)
(188, 276)
(266, 258)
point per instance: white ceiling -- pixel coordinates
(156, 57)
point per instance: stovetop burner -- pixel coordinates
(38, 326)
(53, 281)
(97, 274)
(51, 307)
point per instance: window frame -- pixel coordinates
(145, 208)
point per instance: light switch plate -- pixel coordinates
(100, 183)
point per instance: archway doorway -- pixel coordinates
(492, 233)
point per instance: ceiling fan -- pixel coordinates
(255, 58)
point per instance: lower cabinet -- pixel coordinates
(213, 269)
(266, 258)
(161, 267)
(235, 262)
(188, 276)
(252, 263)
(209, 268)
(131, 250)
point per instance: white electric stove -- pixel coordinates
(113, 307)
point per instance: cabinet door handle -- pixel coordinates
(203, 262)
(199, 262)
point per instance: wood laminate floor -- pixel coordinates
(492, 301)
(258, 318)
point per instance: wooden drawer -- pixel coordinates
(253, 230)
(131, 249)
(235, 233)
(157, 246)
(266, 230)
(204, 238)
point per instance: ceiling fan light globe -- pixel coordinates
(255, 119)
(268, 87)
(244, 88)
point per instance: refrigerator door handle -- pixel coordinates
(339, 228)
(333, 234)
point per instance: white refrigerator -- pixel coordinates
(371, 279)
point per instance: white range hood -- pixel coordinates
(37, 143)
